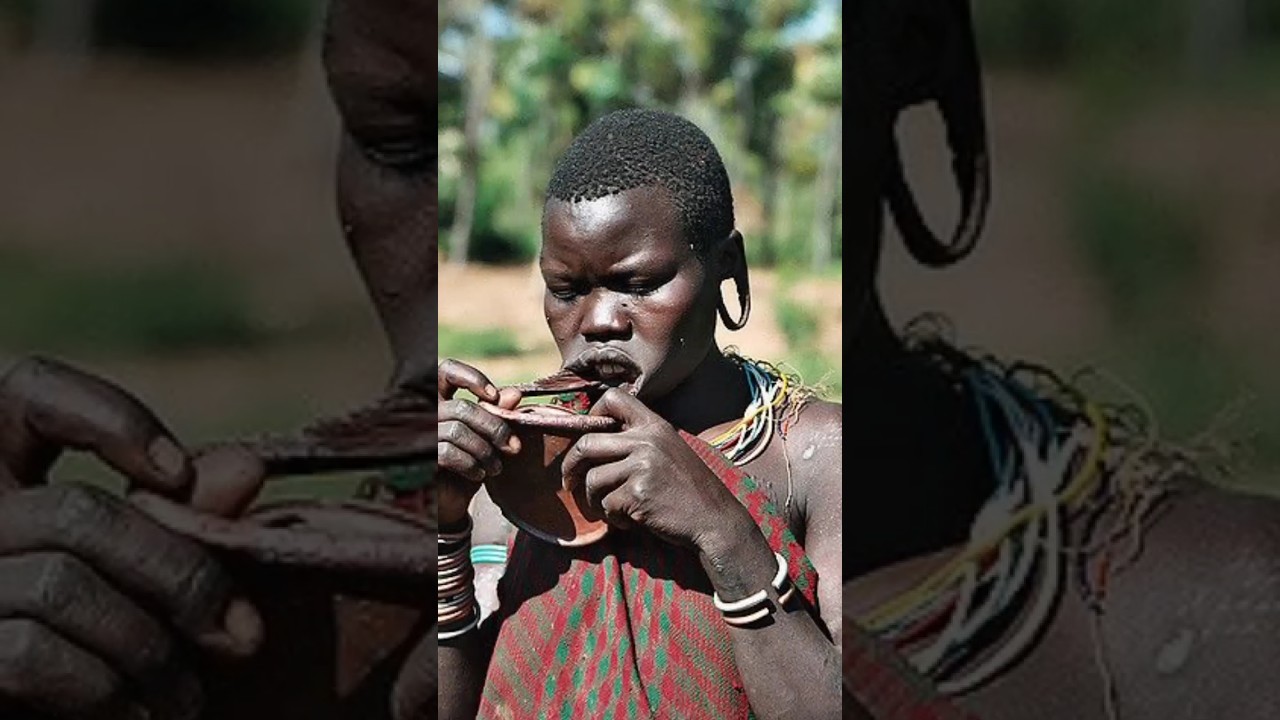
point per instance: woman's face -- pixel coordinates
(627, 299)
(381, 62)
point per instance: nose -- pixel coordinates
(605, 317)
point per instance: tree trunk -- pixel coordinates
(826, 197)
(479, 86)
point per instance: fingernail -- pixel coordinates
(243, 623)
(167, 457)
(490, 391)
(513, 444)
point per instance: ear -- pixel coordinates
(731, 261)
(937, 61)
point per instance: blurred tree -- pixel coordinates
(479, 82)
(556, 66)
(64, 28)
(192, 29)
(1217, 36)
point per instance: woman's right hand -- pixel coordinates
(471, 440)
(99, 606)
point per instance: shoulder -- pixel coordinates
(814, 444)
(1200, 599)
(1208, 522)
(1211, 551)
(820, 422)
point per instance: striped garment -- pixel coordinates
(880, 680)
(624, 628)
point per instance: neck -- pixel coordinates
(716, 392)
(877, 349)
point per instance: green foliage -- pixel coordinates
(800, 326)
(204, 28)
(818, 372)
(1146, 249)
(763, 99)
(798, 323)
(166, 307)
(1187, 377)
(486, 343)
(1055, 34)
(191, 29)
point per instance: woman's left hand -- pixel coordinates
(648, 476)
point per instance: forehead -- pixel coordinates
(382, 49)
(639, 221)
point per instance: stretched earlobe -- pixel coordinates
(956, 87)
(744, 304)
(733, 262)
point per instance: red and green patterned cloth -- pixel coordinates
(624, 628)
(878, 678)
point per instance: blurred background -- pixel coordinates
(166, 201)
(520, 78)
(1136, 210)
(166, 209)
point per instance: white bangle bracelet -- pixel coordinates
(748, 619)
(475, 620)
(782, 572)
(737, 606)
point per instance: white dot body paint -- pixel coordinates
(1174, 654)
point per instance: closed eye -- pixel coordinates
(410, 154)
(565, 293)
(640, 286)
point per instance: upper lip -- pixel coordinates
(588, 363)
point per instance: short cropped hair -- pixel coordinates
(631, 149)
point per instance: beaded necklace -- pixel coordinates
(1057, 456)
(770, 390)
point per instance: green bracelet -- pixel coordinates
(408, 478)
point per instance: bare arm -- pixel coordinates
(790, 668)
(464, 661)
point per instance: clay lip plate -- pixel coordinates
(530, 492)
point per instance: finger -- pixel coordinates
(49, 674)
(50, 405)
(453, 459)
(68, 597)
(592, 450)
(600, 482)
(227, 480)
(623, 406)
(618, 505)
(178, 577)
(492, 428)
(465, 439)
(509, 398)
(452, 376)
